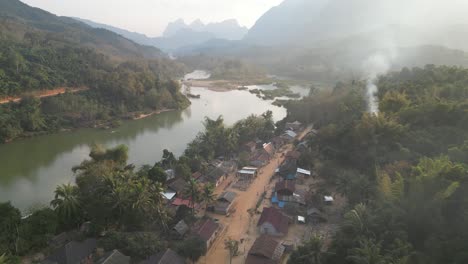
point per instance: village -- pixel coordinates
(261, 212)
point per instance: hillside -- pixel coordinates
(17, 19)
(40, 53)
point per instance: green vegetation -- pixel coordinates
(39, 52)
(226, 69)
(403, 172)
(127, 204)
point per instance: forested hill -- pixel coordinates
(40, 51)
(17, 19)
(403, 172)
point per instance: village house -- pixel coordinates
(247, 173)
(185, 202)
(284, 190)
(273, 222)
(166, 257)
(74, 252)
(207, 230)
(265, 250)
(224, 203)
(301, 173)
(289, 136)
(114, 257)
(294, 126)
(315, 216)
(262, 156)
(302, 147)
(181, 228)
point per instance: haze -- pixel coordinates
(151, 17)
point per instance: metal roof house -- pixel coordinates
(114, 257)
(273, 222)
(166, 257)
(224, 203)
(265, 250)
(73, 252)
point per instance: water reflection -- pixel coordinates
(30, 169)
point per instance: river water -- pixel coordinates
(30, 169)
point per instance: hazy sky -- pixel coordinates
(151, 16)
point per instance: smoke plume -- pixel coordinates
(377, 64)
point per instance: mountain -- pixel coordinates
(178, 34)
(228, 29)
(18, 18)
(134, 36)
(323, 20)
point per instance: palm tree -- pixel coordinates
(207, 195)
(193, 192)
(314, 249)
(66, 202)
(368, 252)
(233, 247)
(357, 219)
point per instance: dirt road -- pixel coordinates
(240, 225)
(43, 94)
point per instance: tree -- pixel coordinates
(233, 247)
(309, 253)
(157, 174)
(207, 195)
(10, 219)
(168, 160)
(368, 252)
(67, 204)
(192, 191)
(192, 248)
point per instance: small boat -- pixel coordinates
(197, 96)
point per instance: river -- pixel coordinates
(30, 169)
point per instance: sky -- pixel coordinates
(150, 17)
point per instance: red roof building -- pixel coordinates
(207, 230)
(265, 250)
(273, 222)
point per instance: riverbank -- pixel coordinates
(224, 85)
(142, 116)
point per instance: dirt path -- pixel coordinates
(43, 94)
(240, 225)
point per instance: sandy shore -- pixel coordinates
(141, 116)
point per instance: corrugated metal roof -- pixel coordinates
(249, 168)
(302, 171)
(246, 172)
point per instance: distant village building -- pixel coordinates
(207, 230)
(247, 173)
(284, 190)
(315, 216)
(289, 135)
(262, 156)
(273, 222)
(328, 200)
(73, 252)
(166, 257)
(295, 126)
(224, 203)
(301, 173)
(265, 250)
(114, 257)
(181, 228)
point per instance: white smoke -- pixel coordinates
(377, 64)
